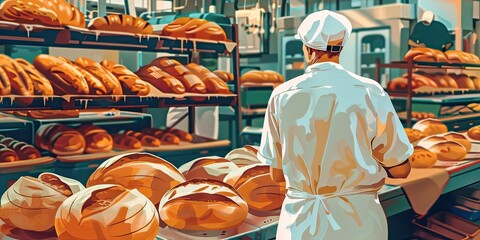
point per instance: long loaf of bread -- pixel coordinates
(121, 23)
(131, 83)
(212, 82)
(191, 82)
(108, 80)
(160, 79)
(41, 84)
(95, 86)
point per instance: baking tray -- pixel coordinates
(266, 222)
(445, 221)
(243, 232)
(422, 225)
(468, 202)
(465, 212)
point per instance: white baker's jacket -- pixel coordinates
(331, 131)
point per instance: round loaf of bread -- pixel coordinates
(60, 140)
(257, 187)
(203, 205)
(429, 141)
(31, 203)
(96, 138)
(26, 151)
(149, 174)
(449, 151)
(422, 158)
(460, 138)
(244, 156)
(474, 133)
(213, 167)
(430, 127)
(414, 135)
(107, 212)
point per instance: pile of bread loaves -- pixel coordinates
(436, 80)
(62, 140)
(12, 150)
(433, 142)
(433, 55)
(129, 195)
(60, 13)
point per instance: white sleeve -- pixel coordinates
(390, 146)
(270, 151)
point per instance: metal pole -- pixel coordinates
(409, 93)
(236, 74)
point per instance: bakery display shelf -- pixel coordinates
(415, 64)
(88, 157)
(29, 162)
(71, 37)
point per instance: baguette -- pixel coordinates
(212, 82)
(160, 79)
(108, 80)
(20, 81)
(225, 76)
(65, 79)
(121, 23)
(191, 82)
(95, 86)
(131, 83)
(41, 84)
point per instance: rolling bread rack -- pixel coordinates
(433, 101)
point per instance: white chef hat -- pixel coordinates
(428, 17)
(323, 29)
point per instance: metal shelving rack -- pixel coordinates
(409, 94)
(34, 35)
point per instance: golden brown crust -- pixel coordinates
(194, 28)
(95, 86)
(121, 23)
(96, 138)
(131, 83)
(5, 87)
(474, 133)
(224, 75)
(122, 141)
(445, 80)
(214, 168)
(160, 79)
(64, 78)
(425, 55)
(463, 81)
(8, 155)
(146, 140)
(191, 82)
(20, 81)
(212, 82)
(456, 56)
(60, 140)
(449, 151)
(414, 135)
(41, 84)
(460, 138)
(430, 127)
(184, 136)
(255, 76)
(111, 83)
(165, 137)
(422, 158)
(26, 151)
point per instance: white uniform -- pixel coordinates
(331, 132)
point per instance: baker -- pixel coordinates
(430, 33)
(333, 136)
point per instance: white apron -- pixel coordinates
(334, 216)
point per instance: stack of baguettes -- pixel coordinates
(433, 55)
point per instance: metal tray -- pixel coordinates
(268, 224)
(242, 232)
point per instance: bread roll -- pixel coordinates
(215, 168)
(400, 84)
(474, 133)
(460, 138)
(121, 23)
(203, 205)
(26, 151)
(60, 140)
(41, 85)
(255, 76)
(212, 82)
(464, 81)
(256, 186)
(107, 212)
(445, 81)
(31, 203)
(425, 55)
(64, 78)
(449, 151)
(184, 136)
(414, 135)
(5, 87)
(244, 156)
(165, 137)
(96, 138)
(8, 155)
(95, 86)
(428, 142)
(145, 140)
(430, 127)
(160, 79)
(224, 75)
(149, 174)
(50, 13)
(20, 81)
(110, 82)
(422, 158)
(194, 28)
(131, 83)
(124, 142)
(191, 82)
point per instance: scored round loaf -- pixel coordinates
(414, 135)
(460, 138)
(449, 151)
(149, 174)
(474, 133)
(244, 156)
(422, 158)
(121, 23)
(203, 205)
(430, 126)
(257, 187)
(60, 140)
(97, 139)
(107, 212)
(429, 141)
(212, 167)
(31, 203)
